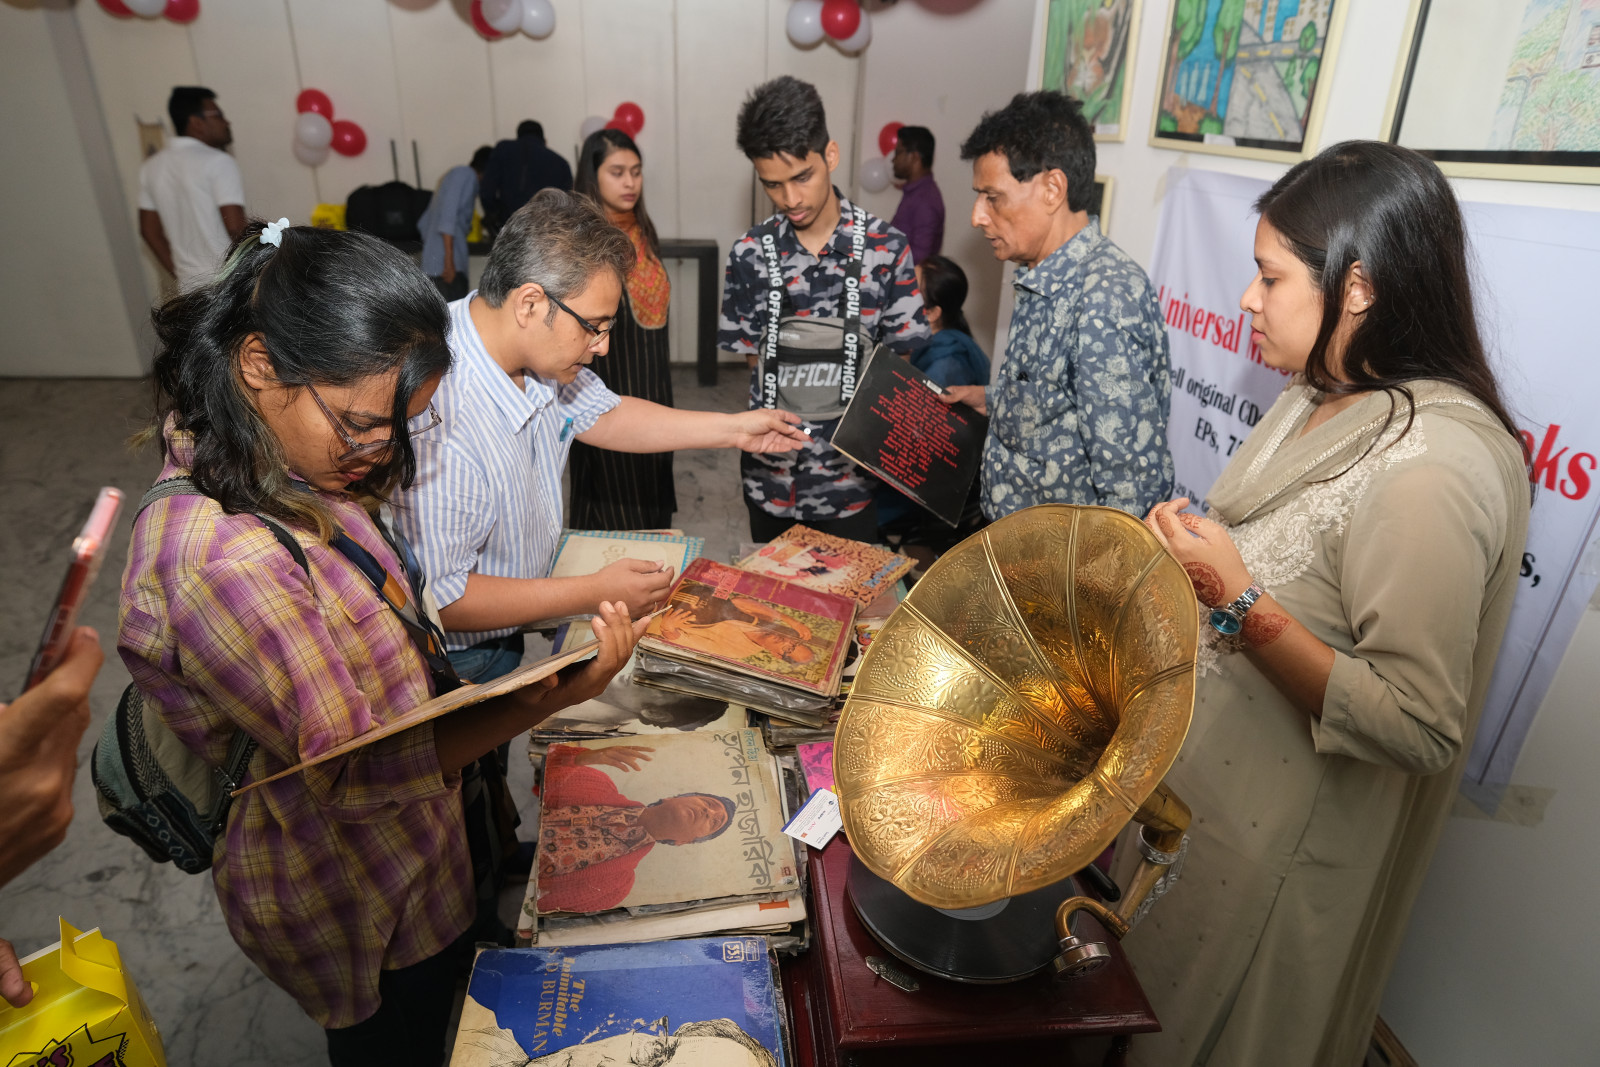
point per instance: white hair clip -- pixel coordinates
(272, 233)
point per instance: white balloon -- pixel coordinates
(858, 40)
(311, 157)
(313, 130)
(876, 174)
(504, 15)
(804, 22)
(146, 9)
(538, 18)
(591, 126)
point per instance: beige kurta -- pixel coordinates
(1310, 838)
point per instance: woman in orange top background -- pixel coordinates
(617, 490)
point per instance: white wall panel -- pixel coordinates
(629, 55)
(346, 51)
(60, 296)
(542, 80)
(442, 70)
(722, 55)
(914, 74)
(244, 52)
(136, 63)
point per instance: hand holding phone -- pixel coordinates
(88, 551)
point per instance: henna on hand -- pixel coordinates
(1207, 584)
(1261, 630)
(1190, 519)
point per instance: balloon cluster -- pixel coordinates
(315, 131)
(841, 21)
(876, 173)
(176, 10)
(500, 18)
(628, 117)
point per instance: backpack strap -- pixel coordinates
(243, 746)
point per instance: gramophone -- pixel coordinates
(1018, 709)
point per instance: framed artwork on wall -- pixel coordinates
(1501, 90)
(1101, 205)
(1088, 54)
(1246, 77)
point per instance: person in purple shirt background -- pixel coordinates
(920, 215)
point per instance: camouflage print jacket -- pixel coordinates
(1078, 413)
(816, 483)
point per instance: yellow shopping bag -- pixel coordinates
(85, 1010)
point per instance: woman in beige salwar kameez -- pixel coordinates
(1381, 506)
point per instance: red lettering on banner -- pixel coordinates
(1545, 464)
(1220, 330)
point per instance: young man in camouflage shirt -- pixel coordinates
(784, 133)
(1078, 410)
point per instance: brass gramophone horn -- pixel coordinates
(1020, 706)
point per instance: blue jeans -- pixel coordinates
(488, 661)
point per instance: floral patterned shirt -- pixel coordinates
(576, 836)
(1078, 412)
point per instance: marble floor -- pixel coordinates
(60, 440)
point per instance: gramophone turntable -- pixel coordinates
(1016, 711)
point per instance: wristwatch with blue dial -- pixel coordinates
(1229, 619)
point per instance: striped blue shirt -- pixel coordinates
(487, 497)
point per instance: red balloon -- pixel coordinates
(888, 137)
(116, 8)
(312, 100)
(485, 30)
(182, 10)
(840, 18)
(348, 138)
(629, 118)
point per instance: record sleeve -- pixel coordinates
(897, 427)
(756, 625)
(829, 564)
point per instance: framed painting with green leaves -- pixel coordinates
(1506, 90)
(1088, 54)
(1246, 77)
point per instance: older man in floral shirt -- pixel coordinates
(1078, 412)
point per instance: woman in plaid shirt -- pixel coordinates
(290, 386)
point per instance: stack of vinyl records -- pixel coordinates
(753, 639)
(670, 835)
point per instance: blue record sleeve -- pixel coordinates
(700, 1001)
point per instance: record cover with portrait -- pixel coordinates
(702, 1002)
(829, 564)
(757, 625)
(634, 822)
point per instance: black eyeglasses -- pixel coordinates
(595, 332)
(376, 451)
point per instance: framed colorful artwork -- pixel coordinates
(1088, 54)
(1502, 90)
(1246, 77)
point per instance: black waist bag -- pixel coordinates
(809, 364)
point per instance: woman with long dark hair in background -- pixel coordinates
(288, 389)
(626, 490)
(1355, 577)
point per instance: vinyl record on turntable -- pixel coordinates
(1003, 941)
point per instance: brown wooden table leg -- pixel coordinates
(1117, 1054)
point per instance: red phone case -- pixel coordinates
(88, 550)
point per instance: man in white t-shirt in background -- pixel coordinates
(191, 198)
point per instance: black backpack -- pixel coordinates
(150, 787)
(389, 211)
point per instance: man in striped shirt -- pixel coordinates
(485, 513)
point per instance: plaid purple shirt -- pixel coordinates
(351, 867)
